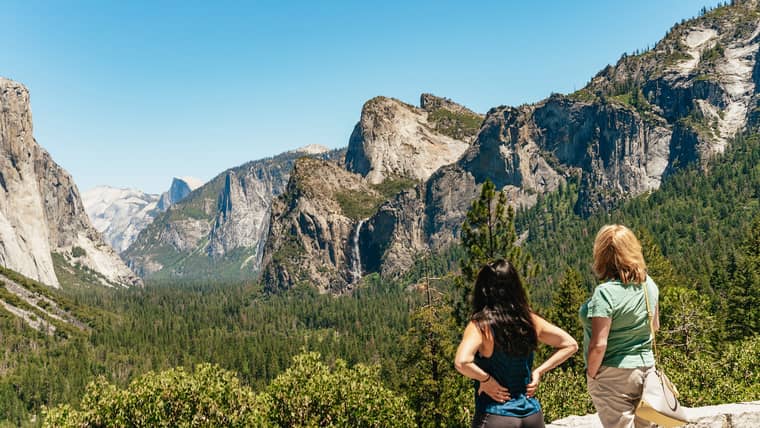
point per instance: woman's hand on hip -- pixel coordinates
(533, 385)
(494, 390)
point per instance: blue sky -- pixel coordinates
(130, 94)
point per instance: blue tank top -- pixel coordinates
(514, 373)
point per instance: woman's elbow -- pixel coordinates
(459, 363)
(597, 346)
(572, 346)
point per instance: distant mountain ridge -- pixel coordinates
(633, 125)
(218, 230)
(120, 214)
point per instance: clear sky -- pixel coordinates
(132, 93)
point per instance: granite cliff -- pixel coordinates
(334, 223)
(395, 139)
(41, 212)
(314, 225)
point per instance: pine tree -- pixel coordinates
(439, 395)
(567, 298)
(686, 321)
(488, 234)
(659, 267)
(743, 292)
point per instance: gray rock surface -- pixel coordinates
(733, 415)
(179, 189)
(394, 139)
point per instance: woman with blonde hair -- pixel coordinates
(617, 340)
(497, 350)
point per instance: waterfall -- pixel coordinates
(356, 262)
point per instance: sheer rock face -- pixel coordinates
(221, 225)
(395, 235)
(703, 75)
(311, 234)
(394, 139)
(242, 215)
(41, 211)
(179, 189)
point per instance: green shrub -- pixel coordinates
(311, 394)
(562, 392)
(77, 252)
(208, 397)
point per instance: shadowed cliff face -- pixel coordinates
(41, 211)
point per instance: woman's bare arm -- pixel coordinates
(557, 338)
(600, 330)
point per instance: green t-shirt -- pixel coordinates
(629, 344)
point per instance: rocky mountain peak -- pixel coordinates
(311, 149)
(179, 189)
(395, 139)
(701, 78)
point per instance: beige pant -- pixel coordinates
(616, 393)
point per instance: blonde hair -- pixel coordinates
(617, 255)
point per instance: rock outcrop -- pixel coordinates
(315, 227)
(179, 189)
(735, 415)
(394, 139)
(41, 212)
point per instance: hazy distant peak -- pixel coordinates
(311, 149)
(192, 182)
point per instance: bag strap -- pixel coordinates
(650, 315)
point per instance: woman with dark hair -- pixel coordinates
(497, 350)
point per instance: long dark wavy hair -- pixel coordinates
(501, 304)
